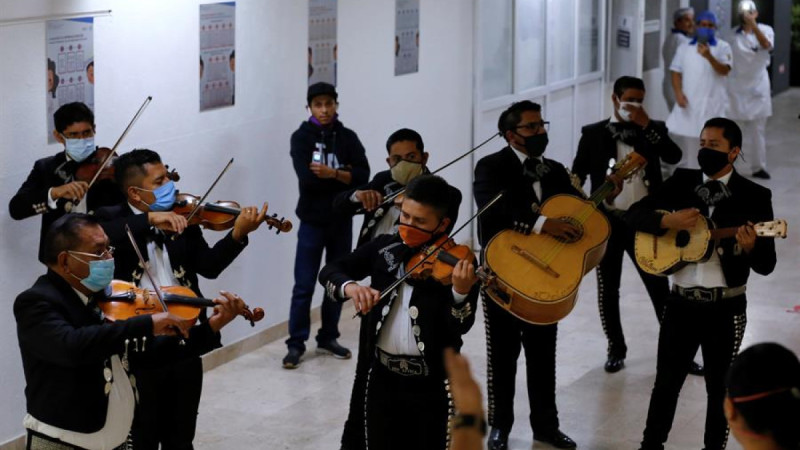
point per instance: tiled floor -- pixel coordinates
(252, 403)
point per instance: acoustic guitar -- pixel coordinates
(536, 277)
(665, 255)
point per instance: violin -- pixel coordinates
(123, 300)
(88, 168)
(219, 216)
(439, 266)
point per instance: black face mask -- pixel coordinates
(711, 161)
(536, 144)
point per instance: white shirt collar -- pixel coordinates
(84, 298)
(135, 209)
(723, 179)
(522, 156)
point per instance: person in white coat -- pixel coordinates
(699, 72)
(681, 33)
(748, 85)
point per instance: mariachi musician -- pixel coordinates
(528, 179)
(52, 188)
(176, 253)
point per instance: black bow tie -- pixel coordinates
(157, 236)
(712, 192)
(535, 169)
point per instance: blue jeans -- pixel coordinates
(336, 239)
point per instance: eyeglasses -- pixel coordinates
(79, 134)
(105, 254)
(535, 126)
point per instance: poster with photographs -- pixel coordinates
(70, 65)
(406, 37)
(217, 55)
(322, 50)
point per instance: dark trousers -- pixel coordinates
(505, 335)
(169, 398)
(405, 412)
(336, 239)
(609, 274)
(717, 328)
(353, 435)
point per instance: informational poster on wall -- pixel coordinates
(70, 65)
(217, 55)
(322, 49)
(406, 37)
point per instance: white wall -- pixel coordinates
(150, 47)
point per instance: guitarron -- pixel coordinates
(536, 277)
(666, 254)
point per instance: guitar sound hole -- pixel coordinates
(574, 222)
(682, 239)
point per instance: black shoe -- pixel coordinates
(761, 174)
(333, 348)
(557, 439)
(614, 364)
(292, 359)
(696, 369)
(498, 440)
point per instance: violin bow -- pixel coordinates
(149, 275)
(203, 198)
(435, 249)
(398, 192)
(119, 141)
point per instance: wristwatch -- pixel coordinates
(470, 421)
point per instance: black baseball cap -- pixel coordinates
(321, 88)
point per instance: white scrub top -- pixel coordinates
(748, 82)
(671, 44)
(705, 89)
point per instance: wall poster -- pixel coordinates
(322, 49)
(406, 37)
(70, 65)
(217, 55)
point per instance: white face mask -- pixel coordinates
(624, 114)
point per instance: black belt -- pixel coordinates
(39, 441)
(707, 295)
(407, 366)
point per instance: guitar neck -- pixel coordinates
(601, 193)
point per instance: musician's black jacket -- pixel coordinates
(597, 146)
(385, 184)
(189, 253)
(502, 171)
(52, 171)
(748, 202)
(64, 346)
(441, 321)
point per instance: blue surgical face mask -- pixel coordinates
(79, 149)
(165, 197)
(704, 35)
(101, 272)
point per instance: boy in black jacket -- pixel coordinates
(327, 158)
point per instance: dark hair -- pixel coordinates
(730, 130)
(51, 67)
(764, 385)
(202, 64)
(64, 234)
(233, 54)
(91, 63)
(626, 82)
(70, 113)
(512, 116)
(130, 166)
(430, 190)
(405, 134)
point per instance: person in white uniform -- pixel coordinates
(683, 20)
(699, 72)
(748, 85)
